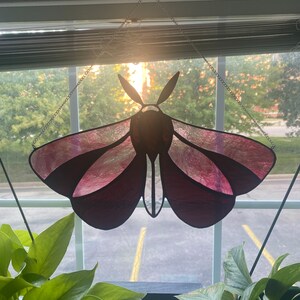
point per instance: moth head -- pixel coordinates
(164, 95)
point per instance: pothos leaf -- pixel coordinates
(253, 291)
(24, 237)
(237, 276)
(6, 251)
(69, 286)
(213, 292)
(49, 247)
(14, 287)
(18, 259)
(277, 264)
(107, 291)
(282, 280)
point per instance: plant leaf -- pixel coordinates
(253, 291)
(228, 296)
(69, 286)
(237, 276)
(24, 237)
(296, 297)
(107, 291)
(18, 259)
(35, 279)
(213, 292)
(14, 287)
(277, 264)
(48, 249)
(292, 293)
(4, 281)
(282, 280)
(6, 250)
(11, 234)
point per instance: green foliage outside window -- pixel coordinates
(29, 99)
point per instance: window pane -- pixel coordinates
(162, 249)
(28, 100)
(265, 86)
(103, 100)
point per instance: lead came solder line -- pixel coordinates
(138, 255)
(258, 244)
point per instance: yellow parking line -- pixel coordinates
(137, 260)
(258, 244)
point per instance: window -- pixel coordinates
(162, 249)
(40, 43)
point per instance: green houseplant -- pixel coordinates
(238, 284)
(26, 268)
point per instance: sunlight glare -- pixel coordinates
(139, 78)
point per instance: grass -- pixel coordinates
(287, 151)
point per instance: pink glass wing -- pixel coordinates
(111, 206)
(199, 167)
(106, 169)
(239, 158)
(47, 158)
(192, 202)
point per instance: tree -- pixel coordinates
(193, 101)
(101, 97)
(287, 92)
(28, 98)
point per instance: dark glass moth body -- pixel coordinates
(103, 171)
(151, 132)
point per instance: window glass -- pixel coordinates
(28, 98)
(250, 227)
(103, 101)
(266, 86)
(162, 249)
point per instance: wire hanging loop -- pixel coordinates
(217, 75)
(101, 52)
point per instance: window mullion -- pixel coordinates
(219, 125)
(75, 127)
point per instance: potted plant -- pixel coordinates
(33, 264)
(238, 285)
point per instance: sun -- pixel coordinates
(139, 77)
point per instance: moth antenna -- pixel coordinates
(168, 89)
(130, 90)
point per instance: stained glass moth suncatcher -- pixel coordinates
(103, 170)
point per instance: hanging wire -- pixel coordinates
(275, 220)
(17, 200)
(215, 72)
(101, 52)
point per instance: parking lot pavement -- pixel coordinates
(165, 249)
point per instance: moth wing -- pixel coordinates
(192, 202)
(89, 167)
(62, 162)
(204, 170)
(235, 162)
(110, 206)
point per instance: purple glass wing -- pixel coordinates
(112, 205)
(99, 170)
(47, 158)
(106, 169)
(233, 159)
(191, 201)
(63, 162)
(199, 167)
